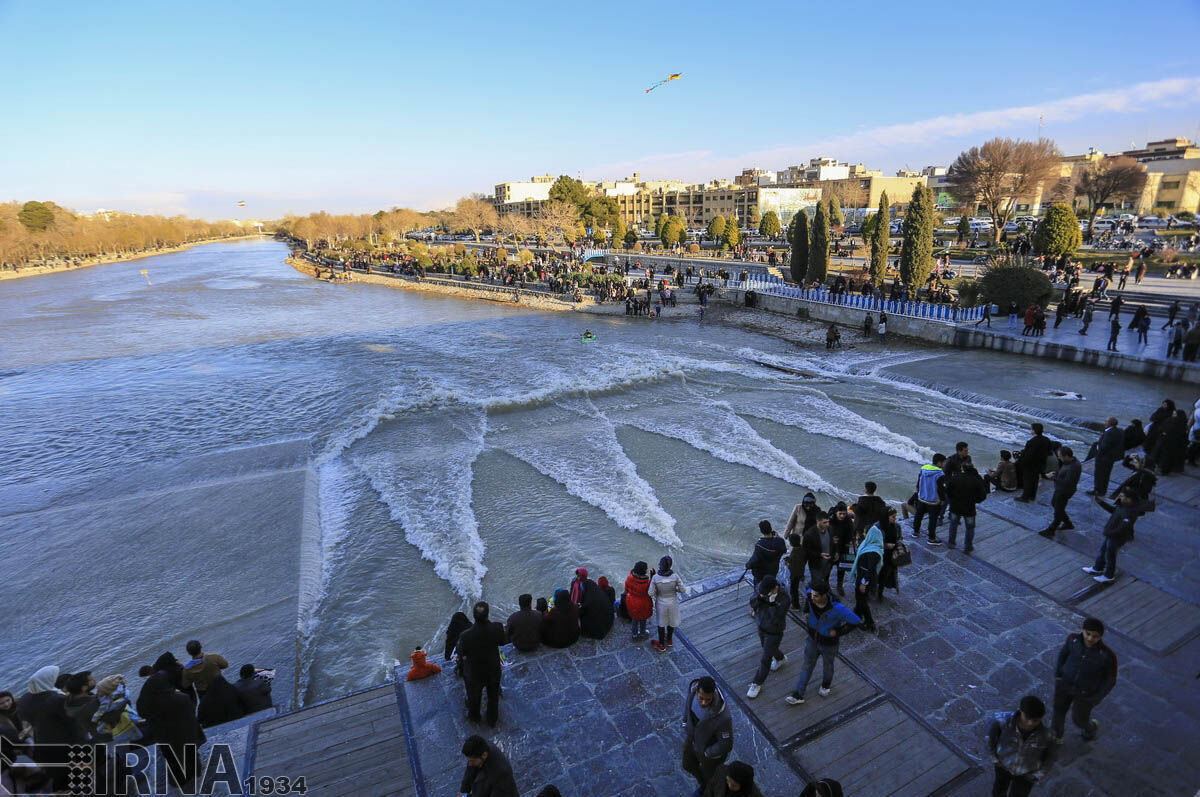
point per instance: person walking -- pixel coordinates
(931, 494)
(1013, 311)
(965, 489)
(768, 550)
(1085, 672)
(479, 650)
(1114, 309)
(882, 329)
(1117, 531)
(1109, 449)
(826, 622)
(666, 586)
(488, 772)
(1143, 329)
(638, 605)
(1022, 748)
(769, 608)
(1171, 313)
(707, 730)
(1032, 463)
(1088, 311)
(1066, 482)
(987, 315)
(734, 778)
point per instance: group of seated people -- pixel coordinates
(176, 701)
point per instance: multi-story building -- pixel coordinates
(1172, 176)
(536, 189)
(750, 177)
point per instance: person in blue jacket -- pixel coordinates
(931, 497)
(826, 622)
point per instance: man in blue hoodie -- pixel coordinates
(826, 622)
(931, 495)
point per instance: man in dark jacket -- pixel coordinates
(479, 649)
(1141, 482)
(768, 550)
(707, 730)
(869, 509)
(488, 772)
(1066, 481)
(253, 688)
(819, 549)
(841, 527)
(769, 607)
(1032, 463)
(1086, 671)
(81, 702)
(734, 778)
(1109, 449)
(1117, 531)
(965, 488)
(1022, 748)
(524, 627)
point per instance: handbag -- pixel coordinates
(900, 555)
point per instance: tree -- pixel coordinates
(631, 238)
(716, 228)
(1107, 180)
(916, 255)
(836, 219)
(818, 246)
(769, 226)
(475, 215)
(36, 216)
(618, 232)
(880, 239)
(799, 264)
(964, 228)
(1001, 171)
(558, 218)
(659, 221)
(1004, 280)
(732, 235)
(568, 189)
(867, 228)
(1058, 233)
(754, 220)
(674, 231)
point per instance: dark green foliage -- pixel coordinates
(836, 219)
(732, 236)
(631, 237)
(1005, 281)
(716, 228)
(769, 225)
(969, 292)
(916, 256)
(1058, 233)
(799, 265)
(880, 238)
(36, 216)
(818, 246)
(568, 189)
(964, 228)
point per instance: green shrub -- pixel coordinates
(969, 292)
(1005, 281)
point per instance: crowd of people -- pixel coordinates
(177, 701)
(805, 572)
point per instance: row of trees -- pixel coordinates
(39, 232)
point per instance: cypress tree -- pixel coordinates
(879, 242)
(799, 265)
(916, 256)
(836, 219)
(818, 247)
(733, 233)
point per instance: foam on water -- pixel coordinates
(421, 468)
(574, 444)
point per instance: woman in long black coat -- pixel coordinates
(1171, 449)
(560, 626)
(1157, 419)
(595, 611)
(173, 725)
(889, 574)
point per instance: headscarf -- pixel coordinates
(11, 716)
(43, 681)
(602, 583)
(581, 576)
(872, 543)
(639, 569)
(108, 685)
(664, 566)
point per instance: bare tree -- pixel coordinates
(849, 193)
(514, 225)
(999, 172)
(558, 218)
(1109, 179)
(475, 215)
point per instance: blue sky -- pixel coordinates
(299, 106)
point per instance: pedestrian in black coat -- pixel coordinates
(595, 611)
(479, 650)
(1109, 450)
(488, 772)
(1032, 463)
(1066, 482)
(173, 725)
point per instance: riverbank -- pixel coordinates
(119, 257)
(462, 289)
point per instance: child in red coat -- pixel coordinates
(637, 600)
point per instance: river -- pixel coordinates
(315, 476)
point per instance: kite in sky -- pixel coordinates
(669, 78)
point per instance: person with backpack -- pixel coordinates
(1086, 671)
(769, 607)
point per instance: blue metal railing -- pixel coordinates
(769, 285)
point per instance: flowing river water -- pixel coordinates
(315, 476)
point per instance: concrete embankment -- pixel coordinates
(968, 336)
(537, 300)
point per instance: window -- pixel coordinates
(1170, 185)
(1164, 205)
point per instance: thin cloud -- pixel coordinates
(1139, 97)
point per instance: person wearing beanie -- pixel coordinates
(1085, 673)
(736, 777)
(769, 608)
(768, 550)
(1022, 748)
(581, 575)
